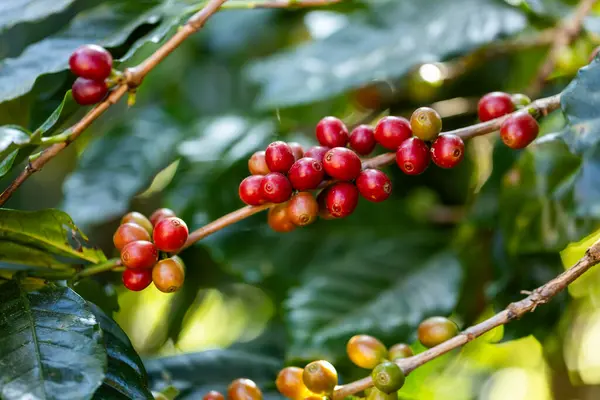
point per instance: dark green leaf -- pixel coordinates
(52, 345)
(17, 11)
(66, 109)
(103, 295)
(49, 230)
(386, 44)
(126, 376)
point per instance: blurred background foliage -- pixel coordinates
(462, 242)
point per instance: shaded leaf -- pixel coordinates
(17, 11)
(17, 253)
(103, 295)
(52, 345)
(62, 113)
(12, 138)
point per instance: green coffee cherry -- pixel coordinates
(376, 394)
(426, 123)
(520, 100)
(388, 377)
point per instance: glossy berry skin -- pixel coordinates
(413, 156)
(362, 140)
(213, 395)
(257, 164)
(306, 174)
(138, 218)
(494, 105)
(137, 279)
(317, 152)
(140, 254)
(447, 151)
(400, 350)
(322, 202)
(341, 199)
(519, 130)
(297, 150)
(128, 233)
(290, 384)
(250, 190)
(243, 389)
(436, 330)
(168, 275)
(388, 377)
(279, 219)
(331, 132)
(91, 62)
(320, 377)
(426, 123)
(86, 92)
(391, 132)
(279, 157)
(161, 214)
(275, 188)
(374, 185)
(366, 351)
(303, 209)
(520, 100)
(170, 234)
(342, 163)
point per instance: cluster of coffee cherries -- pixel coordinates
(93, 65)
(143, 241)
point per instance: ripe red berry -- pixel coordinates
(250, 191)
(322, 202)
(306, 174)
(317, 152)
(362, 140)
(342, 163)
(213, 395)
(391, 132)
(303, 209)
(87, 92)
(128, 233)
(161, 214)
(276, 188)
(279, 220)
(140, 254)
(494, 105)
(447, 151)
(243, 389)
(374, 185)
(519, 130)
(413, 156)
(341, 199)
(138, 218)
(257, 164)
(279, 157)
(168, 275)
(170, 234)
(137, 279)
(297, 149)
(91, 62)
(331, 132)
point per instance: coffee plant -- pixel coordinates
(412, 177)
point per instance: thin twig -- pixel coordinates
(279, 4)
(539, 296)
(106, 266)
(564, 35)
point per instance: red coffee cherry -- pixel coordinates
(297, 149)
(374, 185)
(341, 199)
(275, 188)
(391, 132)
(331, 132)
(213, 395)
(279, 157)
(170, 234)
(138, 218)
(86, 92)
(257, 164)
(342, 163)
(362, 140)
(413, 156)
(519, 130)
(140, 254)
(168, 275)
(250, 191)
(91, 62)
(306, 174)
(161, 214)
(303, 209)
(322, 202)
(447, 151)
(128, 233)
(279, 219)
(137, 279)
(317, 152)
(243, 389)
(494, 105)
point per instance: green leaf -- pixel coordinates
(126, 376)
(12, 139)
(18, 11)
(194, 374)
(383, 45)
(103, 295)
(59, 116)
(17, 253)
(47, 230)
(51, 347)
